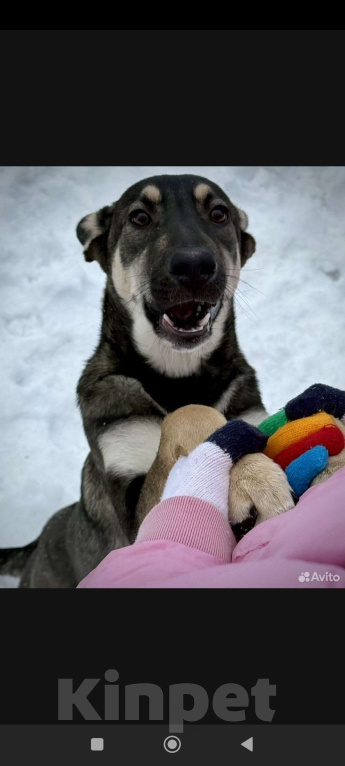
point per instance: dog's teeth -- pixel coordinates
(167, 319)
(200, 324)
(204, 321)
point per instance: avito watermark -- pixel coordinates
(315, 576)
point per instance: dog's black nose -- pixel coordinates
(192, 267)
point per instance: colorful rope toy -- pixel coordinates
(305, 433)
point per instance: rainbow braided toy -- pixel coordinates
(272, 464)
(305, 433)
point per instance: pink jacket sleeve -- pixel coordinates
(186, 542)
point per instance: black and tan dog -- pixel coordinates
(172, 248)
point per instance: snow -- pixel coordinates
(290, 310)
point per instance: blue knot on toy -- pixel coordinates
(301, 472)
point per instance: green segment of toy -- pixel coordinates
(271, 424)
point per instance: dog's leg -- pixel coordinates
(241, 399)
(123, 426)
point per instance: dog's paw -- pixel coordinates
(258, 490)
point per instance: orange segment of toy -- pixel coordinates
(296, 430)
(330, 437)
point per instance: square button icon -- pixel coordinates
(97, 743)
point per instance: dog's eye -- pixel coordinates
(140, 218)
(219, 215)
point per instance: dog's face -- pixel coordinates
(173, 247)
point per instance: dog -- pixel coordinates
(172, 248)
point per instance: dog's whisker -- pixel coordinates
(231, 276)
(240, 292)
(244, 296)
(240, 268)
(244, 311)
(248, 284)
(250, 313)
(252, 286)
(240, 296)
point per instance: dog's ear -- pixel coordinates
(92, 232)
(247, 242)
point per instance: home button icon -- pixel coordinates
(172, 744)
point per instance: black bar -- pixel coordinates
(66, 745)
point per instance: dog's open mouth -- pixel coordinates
(189, 320)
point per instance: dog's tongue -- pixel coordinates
(182, 310)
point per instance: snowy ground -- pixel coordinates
(290, 315)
